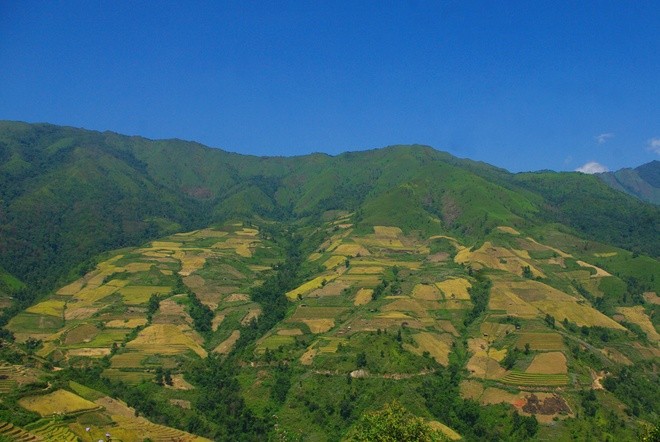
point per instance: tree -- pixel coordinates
(361, 360)
(393, 423)
(550, 320)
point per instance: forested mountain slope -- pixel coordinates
(68, 194)
(642, 182)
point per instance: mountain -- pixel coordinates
(171, 290)
(642, 182)
(69, 194)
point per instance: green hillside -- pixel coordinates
(174, 291)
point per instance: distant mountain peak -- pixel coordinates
(642, 182)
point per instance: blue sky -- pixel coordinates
(524, 85)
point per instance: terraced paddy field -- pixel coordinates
(57, 402)
(166, 339)
(307, 287)
(534, 379)
(548, 363)
(638, 316)
(540, 341)
(438, 346)
(226, 346)
(455, 288)
(53, 431)
(11, 432)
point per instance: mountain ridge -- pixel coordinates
(642, 182)
(139, 188)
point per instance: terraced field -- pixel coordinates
(13, 433)
(535, 379)
(52, 431)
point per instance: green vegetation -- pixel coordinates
(483, 302)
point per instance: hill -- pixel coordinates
(642, 182)
(69, 194)
(175, 290)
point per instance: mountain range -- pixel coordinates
(313, 291)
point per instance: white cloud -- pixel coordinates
(654, 145)
(603, 138)
(591, 167)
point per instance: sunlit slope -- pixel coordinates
(528, 316)
(156, 305)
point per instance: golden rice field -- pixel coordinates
(363, 296)
(638, 316)
(394, 315)
(455, 288)
(290, 332)
(362, 280)
(382, 262)
(417, 307)
(80, 333)
(471, 389)
(502, 298)
(439, 346)
(308, 312)
(652, 298)
(226, 346)
(319, 325)
(426, 292)
(135, 267)
(126, 323)
(495, 330)
(334, 288)
(90, 295)
(599, 272)
(605, 254)
(548, 363)
(334, 261)
(442, 428)
(273, 342)
(252, 313)
(237, 297)
(386, 231)
(330, 344)
(500, 258)
(485, 367)
(129, 359)
(217, 320)
(135, 295)
(72, 288)
(191, 261)
(364, 270)
(509, 230)
(167, 245)
(165, 339)
(309, 286)
(57, 402)
(247, 232)
(540, 341)
(89, 352)
(381, 242)
(534, 379)
(492, 396)
(351, 250)
(308, 357)
(49, 307)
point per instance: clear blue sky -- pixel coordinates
(524, 85)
